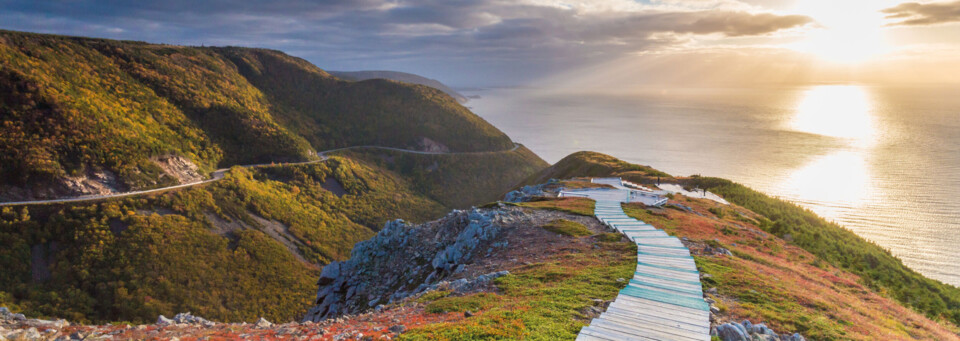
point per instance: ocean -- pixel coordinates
(881, 161)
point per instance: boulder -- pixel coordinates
(403, 260)
(263, 323)
(329, 273)
(164, 320)
(188, 318)
(727, 332)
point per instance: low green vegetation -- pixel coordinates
(461, 304)
(592, 164)
(609, 237)
(717, 211)
(877, 268)
(237, 249)
(738, 281)
(579, 206)
(458, 181)
(567, 228)
(544, 301)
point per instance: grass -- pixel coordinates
(609, 237)
(542, 301)
(640, 212)
(769, 280)
(770, 301)
(568, 228)
(592, 164)
(578, 206)
(877, 268)
(461, 304)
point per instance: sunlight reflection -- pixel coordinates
(843, 111)
(840, 179)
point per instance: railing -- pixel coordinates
(564, 194)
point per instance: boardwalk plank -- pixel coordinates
(664, 299)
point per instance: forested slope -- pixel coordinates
(81, 115)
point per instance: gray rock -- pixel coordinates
(467, 313)
(797, 337)
(764, 337)
(164, 320)
(728, 332)
(263, 323)
(403, 260)
(329, 273)
(188, 318)
(712, 291)
(397, 329)
(743, 330)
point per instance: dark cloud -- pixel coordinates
(468, 38)
(913, 13)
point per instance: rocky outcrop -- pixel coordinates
(185, 318)
(428, 145)
(178, 167)
(747, 331)
(527, 193)
(403, 260)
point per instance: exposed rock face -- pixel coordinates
(525, 194)
(185, 318)
(402, 260)
(428, 145)
(96, 183)
(747, 331)
(179, 167)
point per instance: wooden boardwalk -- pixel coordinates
(664, 299)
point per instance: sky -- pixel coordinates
(566, 43)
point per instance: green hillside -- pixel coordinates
(877, 268)
(461, 180)
(593, 164)
(237, 249)
(94, 108)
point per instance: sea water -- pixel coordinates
(881, 161)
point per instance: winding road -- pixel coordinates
(218, 175)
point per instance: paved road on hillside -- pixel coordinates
(218, 175)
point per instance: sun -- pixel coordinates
(847, 31)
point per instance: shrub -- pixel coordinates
(567, 228)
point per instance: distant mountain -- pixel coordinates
(400, 77)
(87, 116)
(92, 116)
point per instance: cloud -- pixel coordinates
(517, 38)
(913, 13)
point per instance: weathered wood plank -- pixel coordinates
(652, 315)
(641, 320)
(664, 300)
(646, 332)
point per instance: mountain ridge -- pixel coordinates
(400, 77)
(80, 115)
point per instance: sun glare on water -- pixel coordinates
(848, 31)
(841, 111)
(844, 112)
